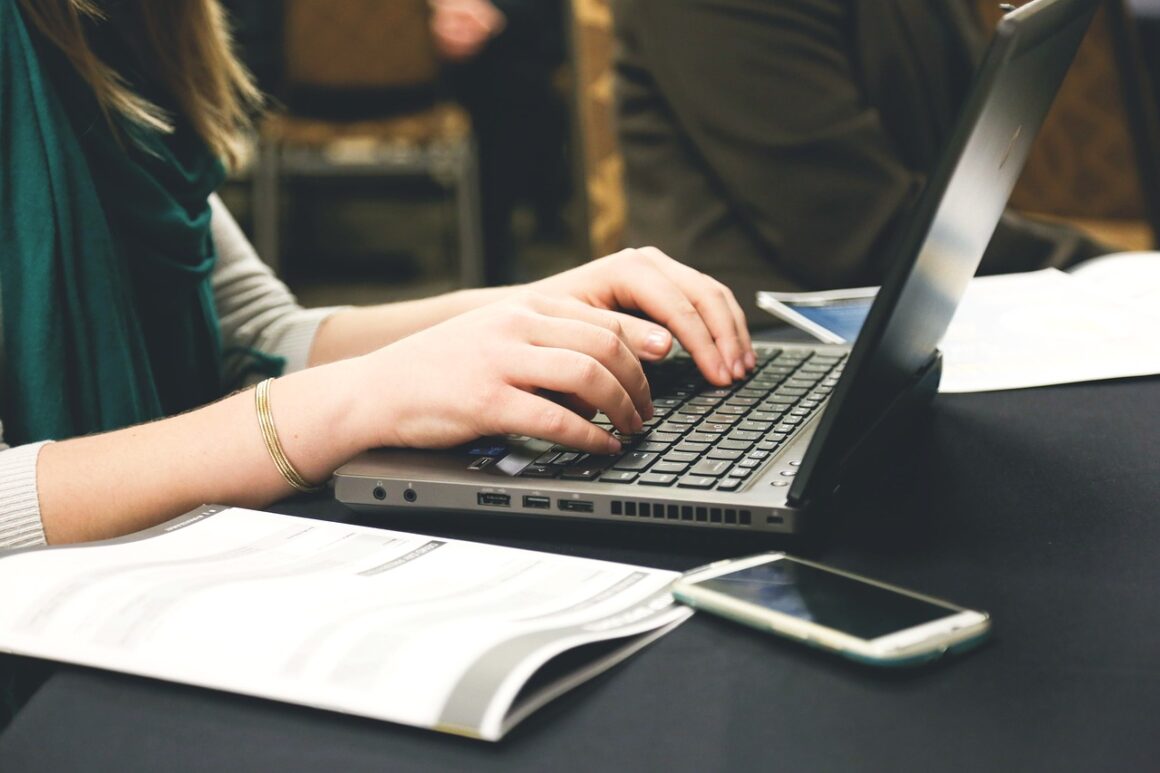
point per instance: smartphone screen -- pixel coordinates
(841, 317)
(828, 599)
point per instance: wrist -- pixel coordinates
(316, 414)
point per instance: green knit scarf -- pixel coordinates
(105, 250)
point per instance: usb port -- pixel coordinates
(543, 503)
(495, 500)
(575, 505)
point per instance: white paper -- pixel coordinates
(1133, 277)
(420, 630)
(1045, 327)
(1013, 331)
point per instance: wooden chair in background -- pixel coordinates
(603, 167)
(360, 89)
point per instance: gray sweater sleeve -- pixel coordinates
(19, 503)
(257, 313)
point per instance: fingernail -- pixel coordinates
(613, 445)
(723, 374)
(637, 422)
(751, 359)
(649, 411)
(658, 342)
(738, 369)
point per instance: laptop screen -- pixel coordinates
(940, 246)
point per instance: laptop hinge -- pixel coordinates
(891, 423)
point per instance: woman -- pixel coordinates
(129, 295)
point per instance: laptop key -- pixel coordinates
(540, 471)
(691, 447)
(734, 445)
(696, 481)
(667, 438)
(654, 447)
(657, 479)
(619, 476)
(729, 484)
(699, 437)
(635, 460)
(588, 469)
(714, 467)
(764, 416)
(674, 468)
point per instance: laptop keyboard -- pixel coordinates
(702, 436)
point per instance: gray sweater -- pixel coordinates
(256, 311)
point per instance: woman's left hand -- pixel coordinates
(700, 311)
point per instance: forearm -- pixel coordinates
(356, 331)
(115, 483)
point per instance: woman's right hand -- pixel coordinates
(529, 365)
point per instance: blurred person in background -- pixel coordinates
(778, 145)
(503, 56)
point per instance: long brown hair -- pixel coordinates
(188, 41)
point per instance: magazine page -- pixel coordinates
(424, 631)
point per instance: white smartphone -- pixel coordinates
(832, 316)
(853, 616)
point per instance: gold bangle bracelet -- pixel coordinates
(273, 444)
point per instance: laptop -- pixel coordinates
(763, 453)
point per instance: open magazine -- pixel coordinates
(443, 634)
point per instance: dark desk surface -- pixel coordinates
(1041, 506)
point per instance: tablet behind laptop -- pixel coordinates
(760, 454)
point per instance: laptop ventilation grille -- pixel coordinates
(629, 508)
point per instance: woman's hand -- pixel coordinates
(530, 365)
(699, 310)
